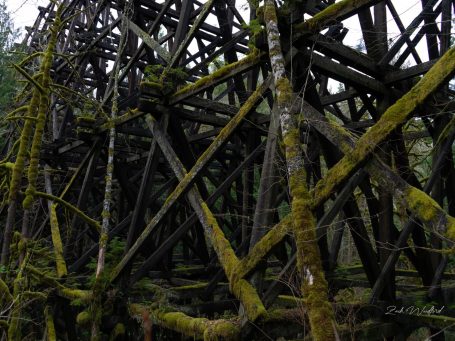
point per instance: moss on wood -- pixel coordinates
(428, 210)
(330, 15)
(219, 74)
(57, 242)
(72, 208)
(84, 318)
(263, 247)
(242, 289)
(118, 331)
(314, 287)
(43, 106)
(50, 327)
(5, 294)
(196, 327)
(395, 115)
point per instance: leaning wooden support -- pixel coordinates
(91, 222)
(241, 288)
(222, 137)
(263, 211)
(314, 285)
(16, 177)
(395, 116)
(50, 327)
(263, 247)
(421, 205)
(57, 242)
(418, 202)
(149, 41)
(5, 293)
(216, 77)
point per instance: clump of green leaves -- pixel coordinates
(165, 80)
(114, 254)
(255, 28)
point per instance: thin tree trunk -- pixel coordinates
(37, 106)
(106, 214)
(314, 286)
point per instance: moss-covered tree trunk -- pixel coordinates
(314, 286)
(37, 108)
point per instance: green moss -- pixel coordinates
(163, 81)
(254, 3)
(190, 287)
(263, 247)
(437, 321)
(330, 15)
(22, 245)
(290, 301)
(428, 210)
(284, 91)
(85, 119)
(22, 153)
(57, 242)
(23, 108)
(43, 106)
(246, 293)
(283, 315)
(50, 327)
(243, 290)
(424, 207)
(197, 328)
(73, 294)
(72, 208)
(314, 287)
(255, 28)
(291, 142)
(119, 330)
(14, 332)
(222, 247)
(221, 330)
(394, 116)
(5, 294)
(158, 87)
(84, 318)
(219, 74)
(34, 295)
(7, 165)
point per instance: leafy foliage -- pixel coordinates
(7, 75)
(166, 81)
(8, 83)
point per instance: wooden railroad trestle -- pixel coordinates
(212, 155)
